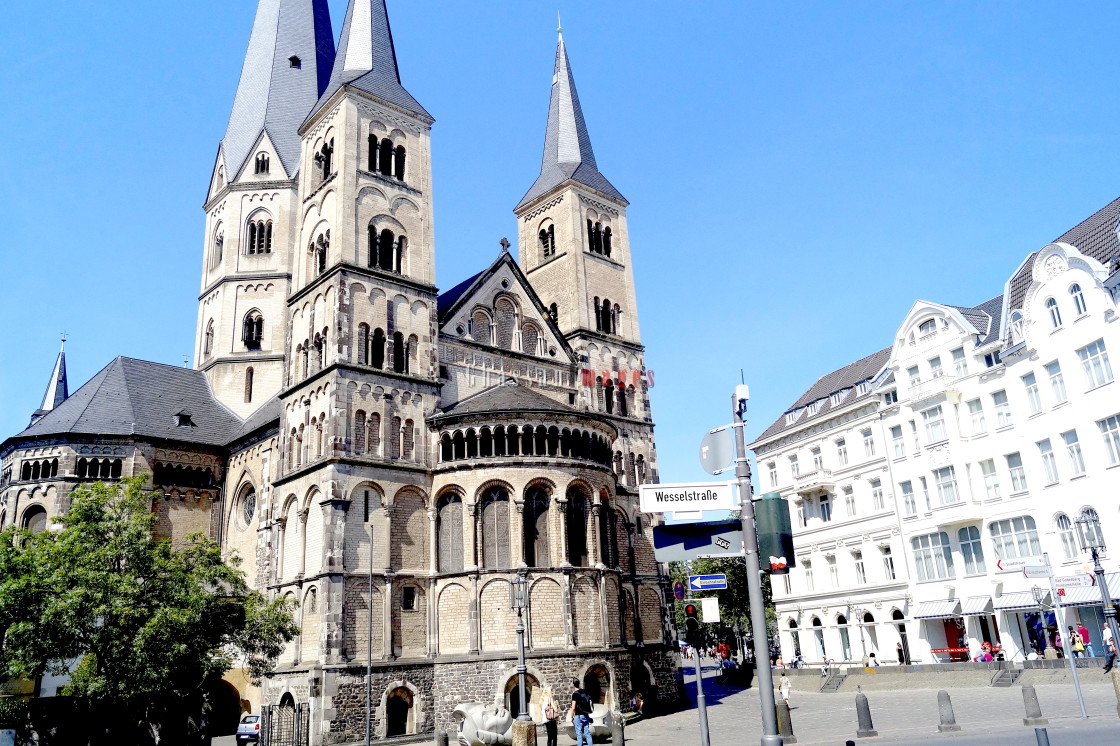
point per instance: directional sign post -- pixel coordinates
(1037, 572)
(707, 582)
(1075, 581)
(1006, 565)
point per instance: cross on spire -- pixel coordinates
(505, 244)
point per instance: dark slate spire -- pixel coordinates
(567, 146)
(291, 51)
(366, 59)
(57, 389)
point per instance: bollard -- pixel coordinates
(442, 739)
(863, 714)
(618, 729)
(785, 723)
(945, 712)
(1041, 737)
(1034, 712)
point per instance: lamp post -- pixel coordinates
(517, 601)
(1091, 539)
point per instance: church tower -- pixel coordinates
(252, 208)
(574, 247)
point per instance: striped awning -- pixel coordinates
(1021, 600)
(938, 609)
(974, 605)
(1091, 595)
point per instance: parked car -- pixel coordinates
(249, 729)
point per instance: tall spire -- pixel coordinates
(291, 51)
(567, 146)
(367, 60)
(57, 389)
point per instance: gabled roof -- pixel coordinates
(985, 317)
(567, 146)
(136, 397)
(507, 398)
(838, 380)
(1095, 237)
(366, 59)
(57, 388)
(273, 95)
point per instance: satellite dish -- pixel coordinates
(717, 451)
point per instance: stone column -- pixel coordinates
(593, 541)
(517, 542)
(562, 512)
(475, 616)
(303, 541)
(569, 618)
(471, 515)
(432, 541)
(281, 532)
(387, 619)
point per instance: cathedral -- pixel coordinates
(391, 457)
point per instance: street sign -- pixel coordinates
(661, 498)
(707, 582)
(1006, 565)
(1037, 572)
(716, 451)
(709, 609)
(1075, 581)
(682, 542)
(678, 590)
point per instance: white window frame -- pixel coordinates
(933, 420)
(1064, 527)
(1049, 462)
(1018, 474)
(960, 362)
(991, 478)
(889, 573)
(976, 416)
(1073, 451)
(877, 494)
(972, 550)
(898, 441)
(935, 369)
(1003, 408)
(1079, 304)
(1015, 538)
(824, 505)
(946, 480)
(909, 502)
(1110, 432)
(1034, 400)
(861, 569)
(849, 502)
(1094, 361)
(868, 442)
(1057, 382)
(842, 452)
(933, 557)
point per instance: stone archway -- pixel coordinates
(400, 713)
(597, 683)
(225, 708)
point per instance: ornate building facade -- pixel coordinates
(388, 456)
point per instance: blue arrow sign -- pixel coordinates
(707, 582)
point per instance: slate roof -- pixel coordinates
(367, 60)
(567, 146)
(508, 398)
(838, 380)
(137, 397)
(447, 299)
(272, 96)
(986, 317)
(267, 414)
(1095, 236)
(57, 388)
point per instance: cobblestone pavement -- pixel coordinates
(986, 716)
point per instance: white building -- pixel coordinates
(977, 437)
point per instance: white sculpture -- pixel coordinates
(483, 725)
(600, 724)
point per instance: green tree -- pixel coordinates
(149, 626)
(734, 605)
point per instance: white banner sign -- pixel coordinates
(709, 610)
(1075, 581)
(671, 498)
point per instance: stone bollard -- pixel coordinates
(785, 723)
(524, 733)
(1034, 712)
(945, 711)
(1116, 688)
(618, 729)
(863, 715)
(442, 739)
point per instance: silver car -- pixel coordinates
(249, 729)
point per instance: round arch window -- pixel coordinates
(249, 506)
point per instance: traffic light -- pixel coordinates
(692, 624)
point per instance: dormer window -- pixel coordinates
(183, 419)
(927, 327)
(295, 62)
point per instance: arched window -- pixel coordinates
(1055, 312)
(547, 238)
(372, 157)
(408, 440)
(530, 337)
(385, 157)
(208, 342)
(35, 519)
(608, 395)
(607, 241)
(374, 428)
(252, 330)
(385, 250)
(260, 166)
(929, 326)
(494, 529)
(318, 251)
(320, 351)
(249, 385)
(1065, 533)
(377, 349)
(598, 315)
(597, 242)
(576, 518)
(399, 360)
(608, 540)
(395, 438)
(505, 321)
(362, 346)
(607, 322)
(398, 165)
(248, 505)
(449, 534)
(358, 442)
(590, 234)
(325, 160)
(535, 523)
(480, 327)
(1078, 299)
(219, 244)
(260, 237)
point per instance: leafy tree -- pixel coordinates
(150, 627)
(734, 605)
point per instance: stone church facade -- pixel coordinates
(388, 456)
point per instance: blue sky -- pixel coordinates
(799, 173)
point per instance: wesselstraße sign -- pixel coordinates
(671, 498)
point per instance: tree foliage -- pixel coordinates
(147, 625)
(734, 604)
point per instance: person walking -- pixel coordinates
(901, 654)
(581, 714)
(1086, 640)
(1076, 644)
(1109, 648)
(551, 716)
(783, 688)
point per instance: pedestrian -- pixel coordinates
(1109, 648)
(874, 660)
(1076, 645)
(825, 667)
(1086, 640)
(901, 654)
(581, 714)
(551, 716)
(1056, 643)
(783, 688)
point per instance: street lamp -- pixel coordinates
(517, 601)
(1090, 538)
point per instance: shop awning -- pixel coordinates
(1091, 595)
(938, 609)
(1022, 600)
(975, 605)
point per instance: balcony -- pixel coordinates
(812, 482)
(925, 392)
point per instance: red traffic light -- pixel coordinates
(690, 610)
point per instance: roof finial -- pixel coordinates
(65, 335)
(505, 244)
(559, 27)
